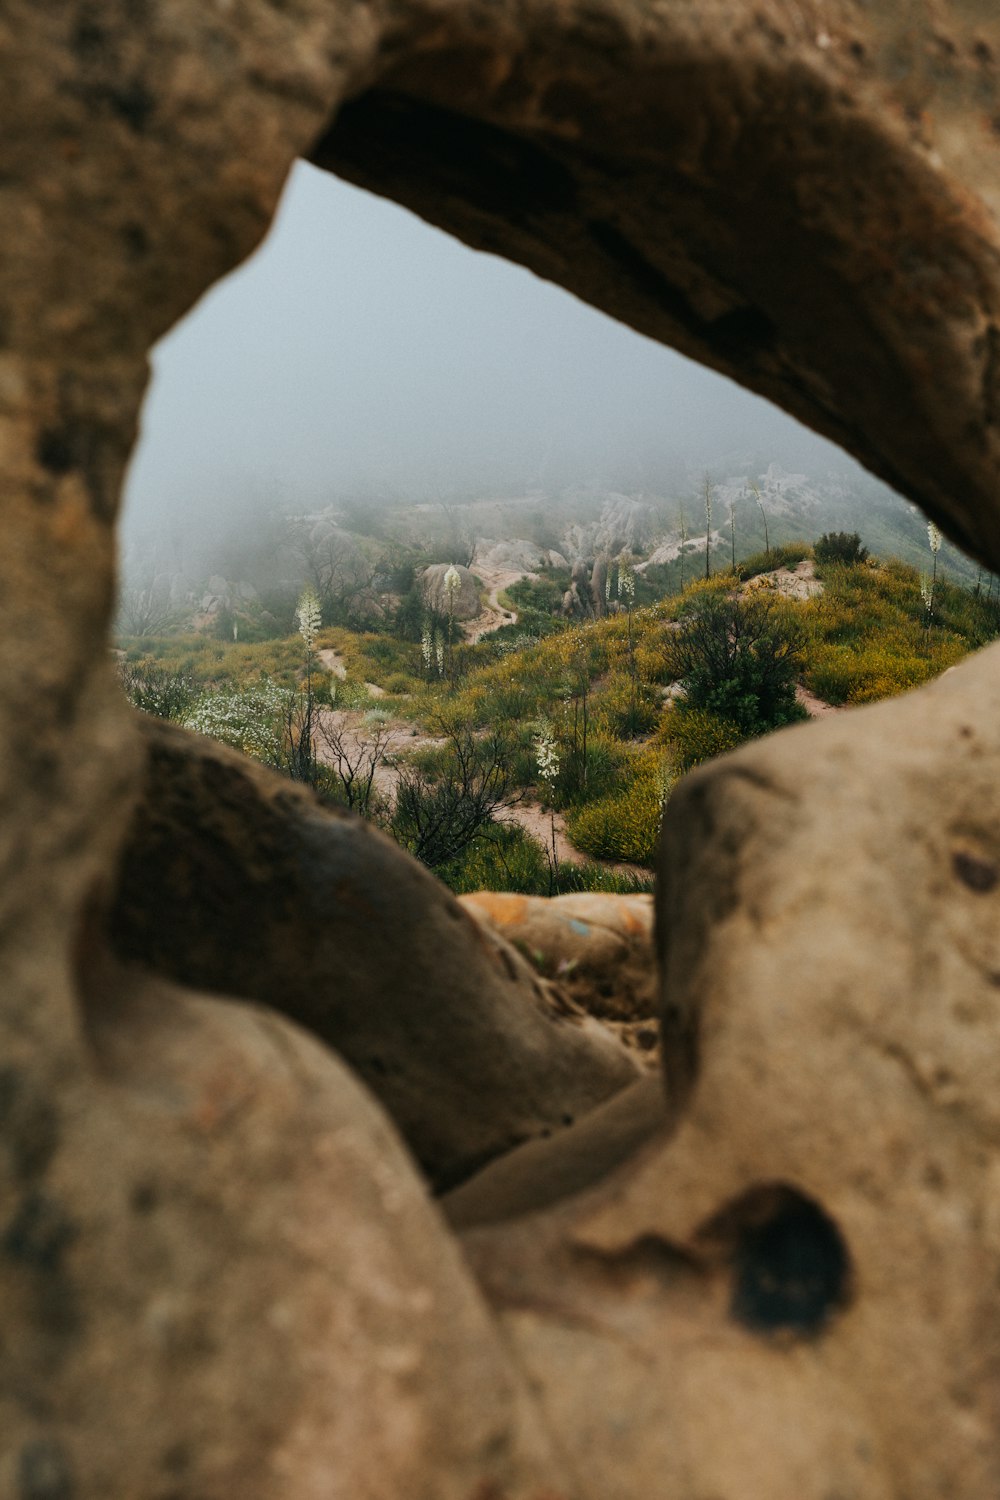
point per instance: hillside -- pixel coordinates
(365, 562)
(540, 759)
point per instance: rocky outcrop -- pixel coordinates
(624, 525)
(546, 1171)
(510, 556)
(236, 881)
(459, 599)
(801, 1269)
(599, 948)
(222, 1276)
(203, 1224)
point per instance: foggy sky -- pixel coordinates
(361, 352)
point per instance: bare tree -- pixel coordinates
(706, 486)
(440, 813)
(145, 611)
(337, 571)
(355, 754)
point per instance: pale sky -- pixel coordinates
(362, 352)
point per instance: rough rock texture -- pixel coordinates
(793, 1295)
(464, 602)
(598, 947)
(804, 194)
(543, 1172)
(237, 881)
(226, 1279)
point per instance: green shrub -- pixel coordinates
(840, 547)
(593, 877)
(622, 826)
(693, 735)
(399, 682)
(156, 690)
(506, 859)
(350, 695)
(252, 719)
(626, 708)
(738, 659)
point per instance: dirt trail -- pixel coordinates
(815, 707)
(337, 667)
(493, 614)
(538, 823)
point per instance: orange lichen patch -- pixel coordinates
(631, 922)
(503, 907)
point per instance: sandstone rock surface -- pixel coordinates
(221, 1276)
(235, 880)
(792, 1294)
(804, 195)
(543, 1172)
(598, 947)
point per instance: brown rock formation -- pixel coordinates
(804, 196)
(598, 947)
(221, 1276)
(234, 880)
(792, 1295)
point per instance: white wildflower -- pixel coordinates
(925, 591)
(547, 758)
(309, 617)
(933, 537)
(626, 581)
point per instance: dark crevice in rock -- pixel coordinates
(790, 1266)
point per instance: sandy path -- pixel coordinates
(337, 667)
(493, 614)
(815, 707)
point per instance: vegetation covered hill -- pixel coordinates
(480, 758)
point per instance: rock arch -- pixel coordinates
(803, 195)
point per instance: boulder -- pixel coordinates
(222, 1276)
(237, 881)
(598, 947)
(546, 1171)
(461, 601)
(804, 197)
(789, 1293)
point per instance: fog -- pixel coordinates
(361, 354)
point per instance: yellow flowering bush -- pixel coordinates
(695, 735)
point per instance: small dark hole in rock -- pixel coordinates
(790, 1272)
(973, 870)
(55, 451)
(791, 1268)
